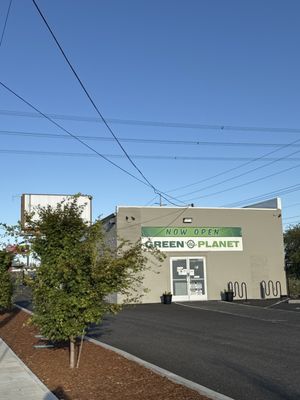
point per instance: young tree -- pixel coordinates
(6, 284)
(292, 250)
(77, 273)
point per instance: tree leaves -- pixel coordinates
(292, 250)
(79, 271)
(6, 285)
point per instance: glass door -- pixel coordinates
(196, 281)
(179, 278)
(188, 279)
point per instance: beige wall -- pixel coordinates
(262, 257)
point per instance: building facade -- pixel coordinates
(206, 248)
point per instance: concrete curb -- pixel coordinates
(24, 309)
(48, 394)
(204, 391)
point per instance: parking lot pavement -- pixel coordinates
(241, 351)
(276, 304)
(286, 316)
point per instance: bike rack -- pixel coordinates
(268, 288)
(239, 289)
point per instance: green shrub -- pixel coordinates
(294, 287)
(6, 285)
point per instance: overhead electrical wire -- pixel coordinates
(138, 156)
(282, 191)
(151, 201)
(167, 197)
(202, 126)
(96, 108)
(245, 173)
(179, 213)
(294, 216)
(238, 167)
(5, 23)
(279, 147)
(158, 124)
(69, 133)
(291, 223)
(85, 144)
(246, 183)
(46, 135)
(291, 205)
(106, 124)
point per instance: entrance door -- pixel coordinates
(188, 278)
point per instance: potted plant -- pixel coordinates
(167, 297)
(228, 294)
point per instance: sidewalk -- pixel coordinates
(17, 382)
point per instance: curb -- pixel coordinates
(204, 391)
(23, 309)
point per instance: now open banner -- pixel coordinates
(193, 238)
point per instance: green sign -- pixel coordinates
(201, 231)
(202, 238)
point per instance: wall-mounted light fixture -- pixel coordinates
(187, 220)
(131, 217)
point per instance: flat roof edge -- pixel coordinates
(202, 208)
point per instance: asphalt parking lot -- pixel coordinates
(246, 352)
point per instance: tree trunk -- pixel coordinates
(72, 352)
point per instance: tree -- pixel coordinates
(78, 271)
(6, 284)
(292, 250)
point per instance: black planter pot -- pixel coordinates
(167, 298)
(228, 296)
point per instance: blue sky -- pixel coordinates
(214, 62)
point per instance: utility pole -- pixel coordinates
(161, 204)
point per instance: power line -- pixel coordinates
(94, 105)
(291, 223)
(158, 217)
(278, 192)
(286, 158)
(71, 134)
(45, 135)
(291, 205)
(151, 201)
(294, 216)
(246, 183)
(164, 195)
(90, 98)
(240, 166)
(159, 124)
(5, 23)
(137, 156)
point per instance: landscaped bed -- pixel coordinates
(102, 374)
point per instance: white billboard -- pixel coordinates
(30, 202)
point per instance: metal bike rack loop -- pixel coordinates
(270, 288)
(239, 289)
